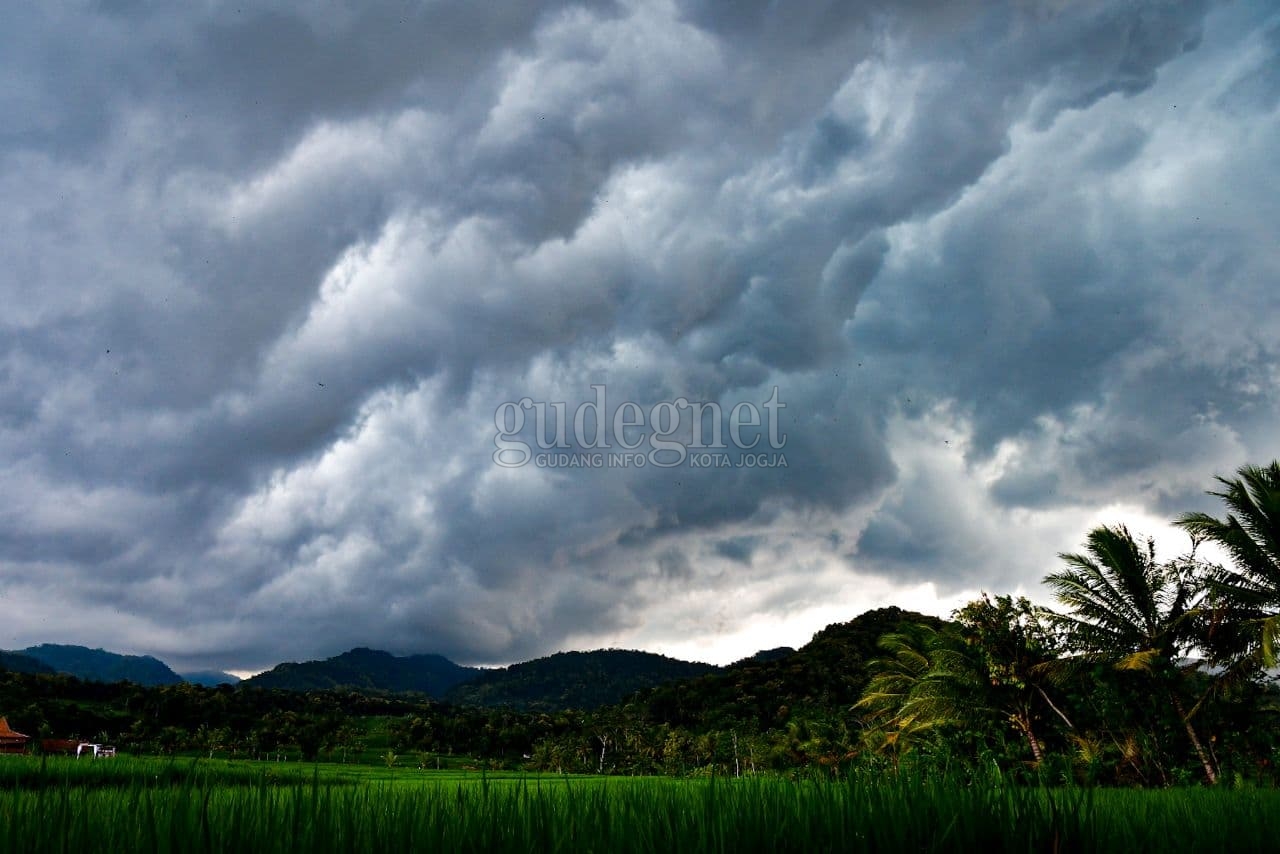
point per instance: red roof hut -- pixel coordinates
(10, 741)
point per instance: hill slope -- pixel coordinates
(827, 673)
(16, 662)
(369, 670)
(99, 665)
(574, 680)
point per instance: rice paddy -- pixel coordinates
(184, 805)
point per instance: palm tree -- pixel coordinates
(1251, 536)
(924, 683)
(1127, 610)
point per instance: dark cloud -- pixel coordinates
(739, 549)
(271, 272)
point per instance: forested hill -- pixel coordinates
(574, 680)
(19, 663)
(577, 680)
(827, 673)
(99, 665)
(363, 669)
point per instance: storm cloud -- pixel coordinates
(271, 272)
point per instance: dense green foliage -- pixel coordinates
(826, 675)
(1246, 594)
(1151, 673)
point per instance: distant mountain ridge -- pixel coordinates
(99, 665)
(829, 671)
(370, 670)
(574, 680)
(210, 678)
(578, 680)
(581, 680)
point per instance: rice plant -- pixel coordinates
(243, 808)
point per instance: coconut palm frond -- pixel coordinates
(1250, 535)
(1143, 659)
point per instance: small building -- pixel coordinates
(12, 741)
(97, 751)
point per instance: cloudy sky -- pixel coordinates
(270, 271)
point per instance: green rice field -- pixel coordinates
(183, 805)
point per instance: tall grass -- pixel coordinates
(627, 815)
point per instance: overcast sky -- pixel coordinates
(269, 271)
